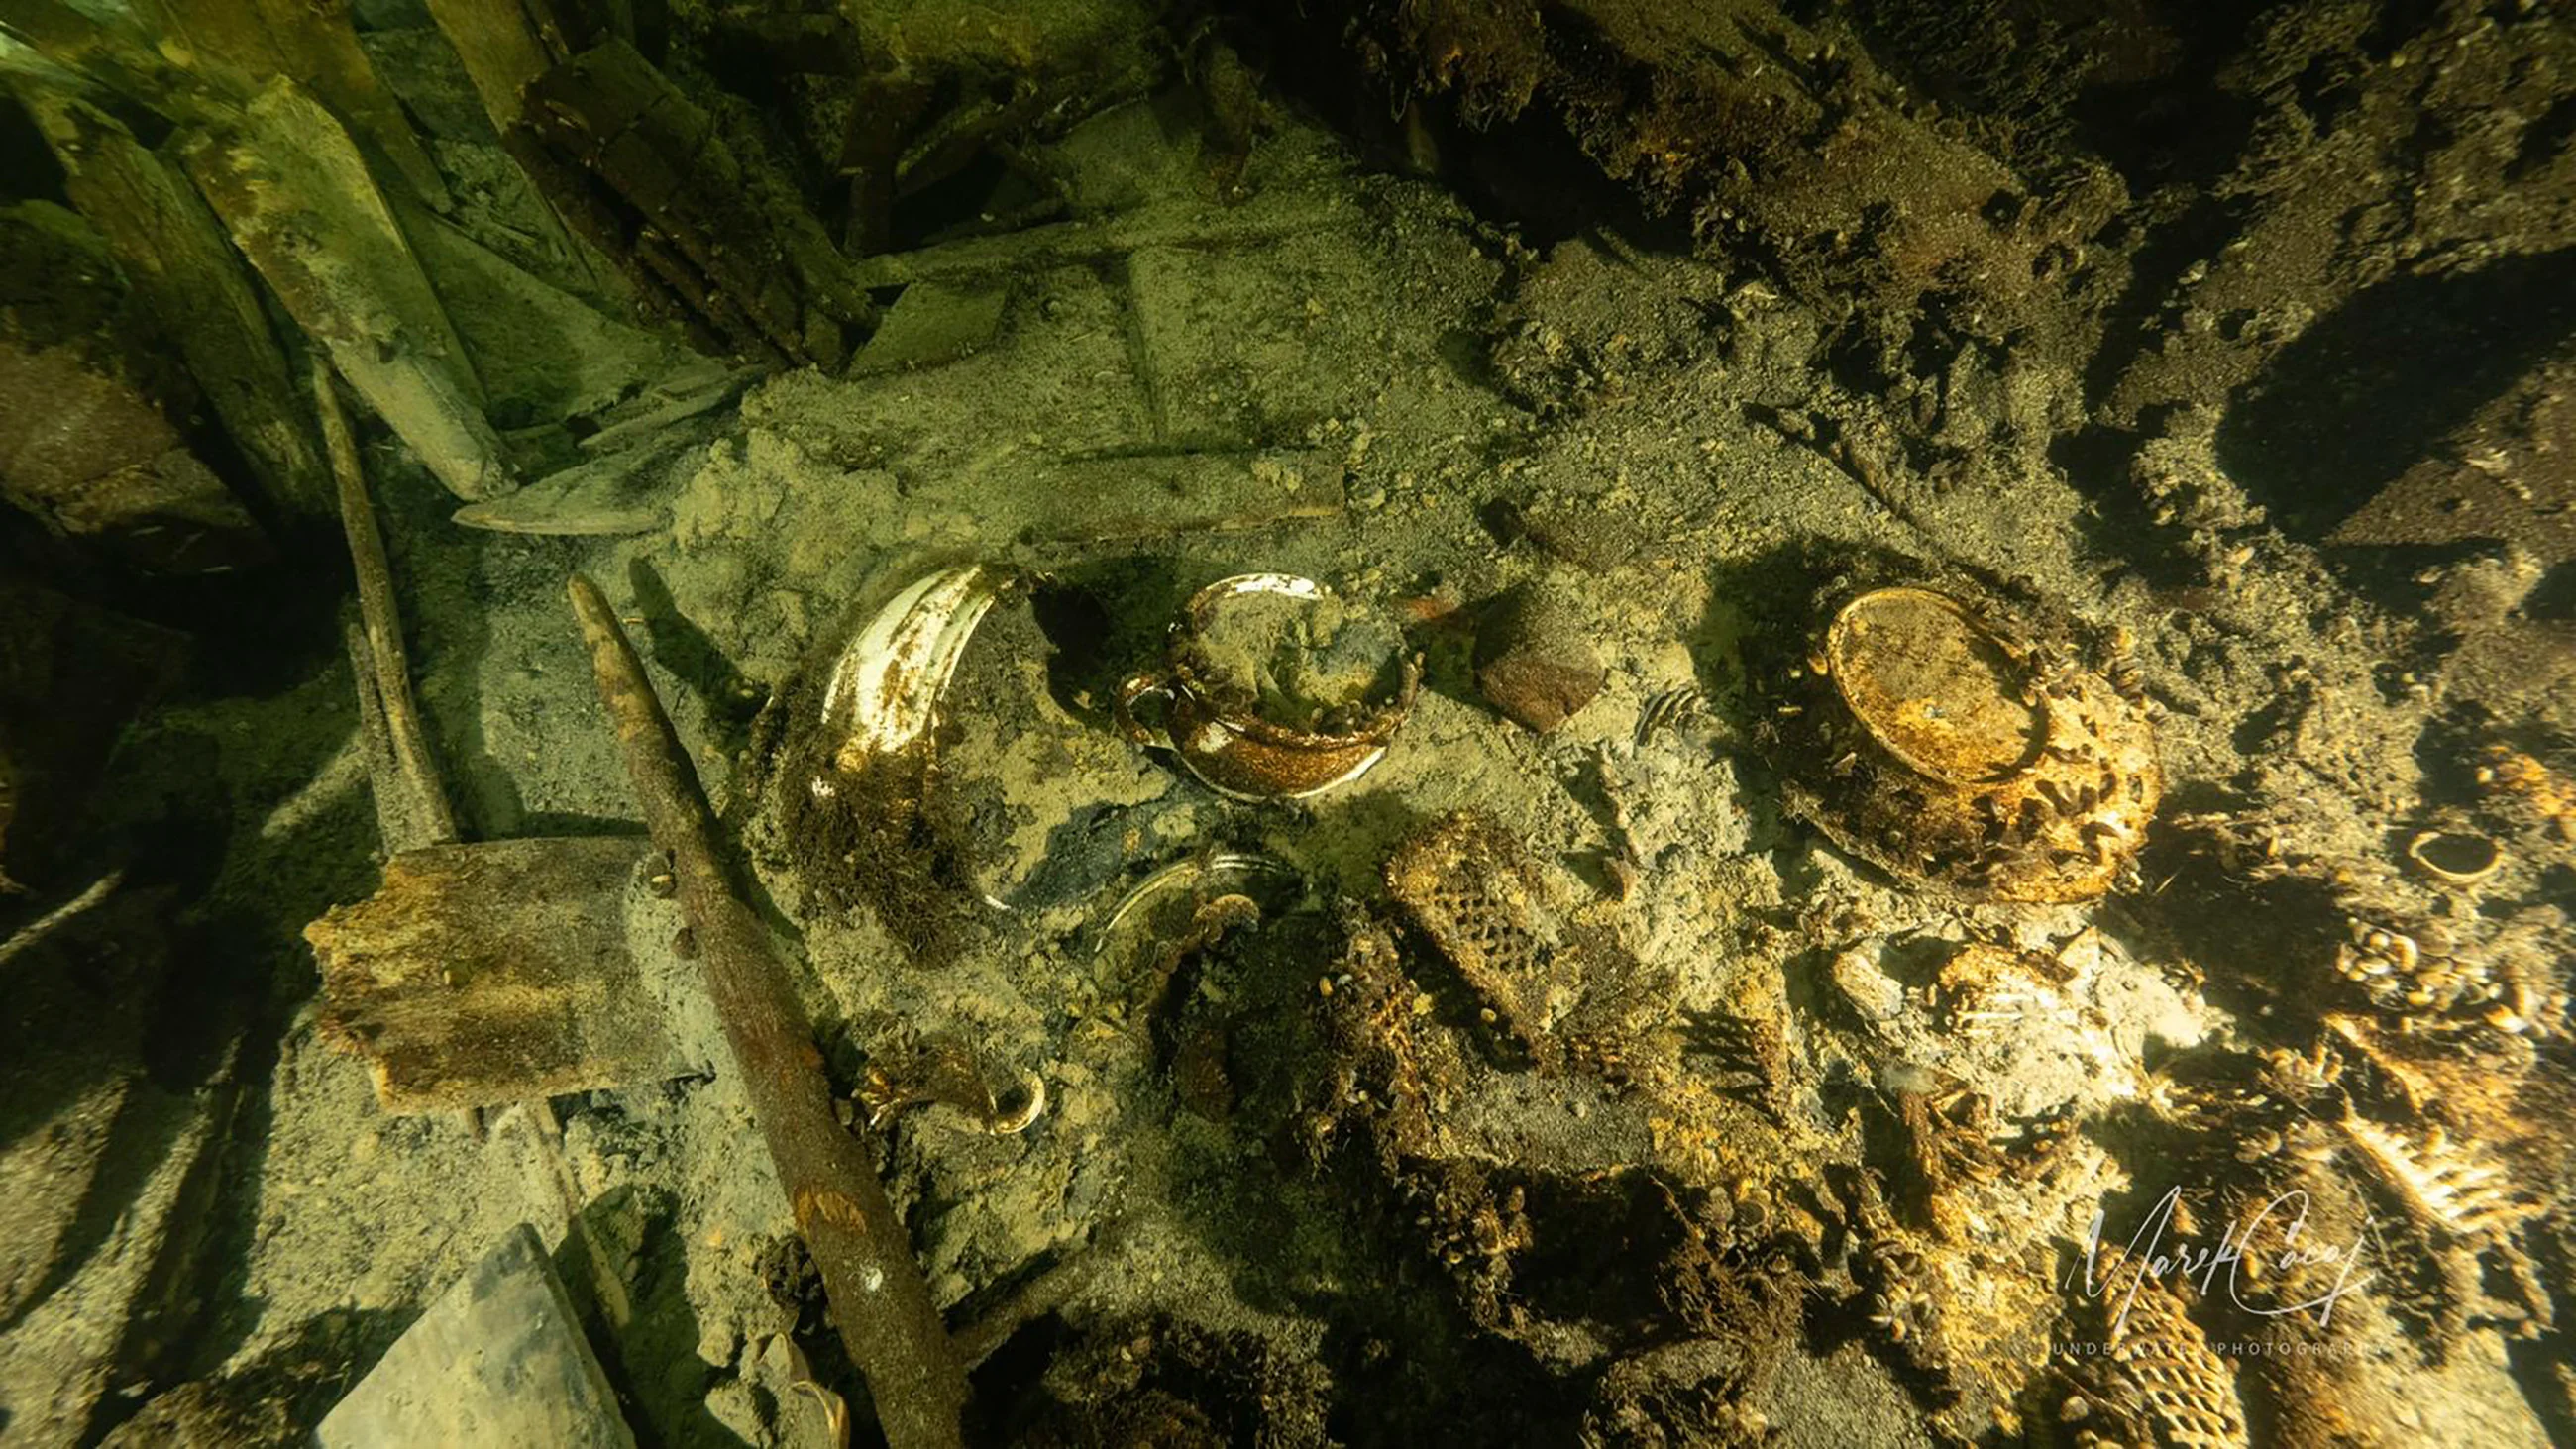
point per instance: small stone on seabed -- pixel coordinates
(1533, 661)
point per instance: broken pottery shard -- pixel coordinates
(485, 974)
(298, 200)
(499, 1359)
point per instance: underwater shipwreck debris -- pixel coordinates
(1273, 689)
(857, 790)
(385, 682)
(879, 1299)
(175, 254)
(296, 195)
(1534, 658)
(948, 1072)
(1128, 495)
(498, 1359)
(476, 975)
(96, 436)
(2526, 786)
(1557, 994)
(1921, 734)
(480, 975)
(674, 203)
(2157, 1375)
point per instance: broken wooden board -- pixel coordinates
(92, 408)
(93, 458)
(485, 974)
(692, 218)
(244, 44)
(298, 200)
(1266, 218)
(932, 323)
(499, 1359)
(185, 272)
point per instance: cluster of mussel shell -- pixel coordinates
(1936, 731)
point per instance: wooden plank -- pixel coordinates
(173, 251)
(484, 974)
(715, 230)
(502, 54)
(620, 494)
(245, 44)
(499, 1359)
(298, 200)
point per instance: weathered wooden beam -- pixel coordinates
(298, 200)
(90, 442)
(491, 973)
(244, 44)
(382, 619)
(182, 267)
(732, 245)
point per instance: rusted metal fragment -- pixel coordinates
(1469, 887)
(1554, 991)
(489, 973)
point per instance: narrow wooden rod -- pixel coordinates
(382, 617)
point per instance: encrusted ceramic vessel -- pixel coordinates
(1212, 715)
(1939, 740)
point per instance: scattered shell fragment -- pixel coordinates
(2459, 858)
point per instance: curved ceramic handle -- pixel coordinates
(1123, 708)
